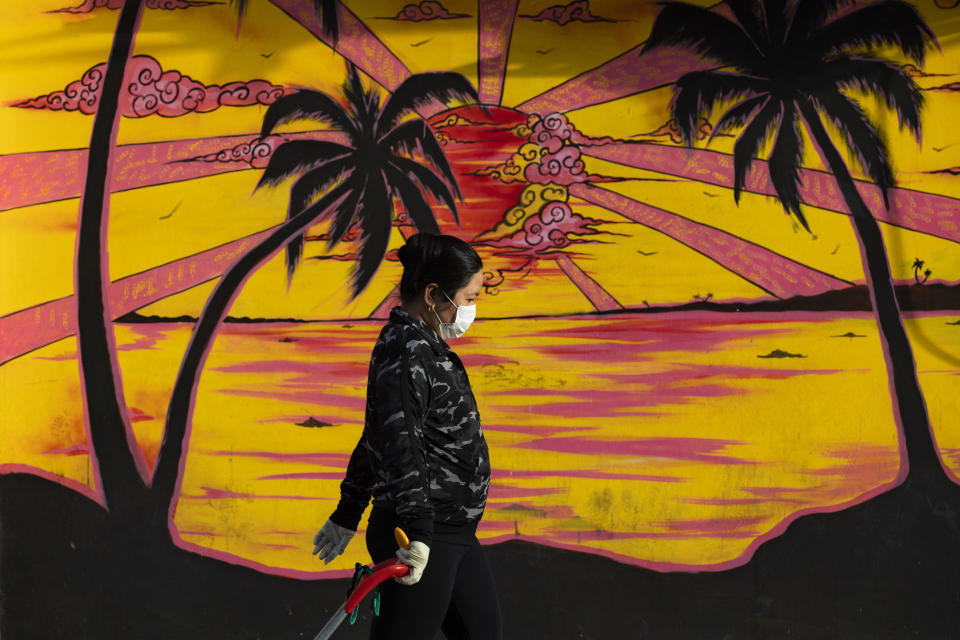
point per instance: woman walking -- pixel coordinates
(422, 456)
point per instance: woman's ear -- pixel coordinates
(428, 295)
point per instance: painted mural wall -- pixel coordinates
(692, 332)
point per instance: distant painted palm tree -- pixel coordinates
(375, 165)
(123, 487)
(918, 264)
(326, 12)
(340, 183)
(793, 65)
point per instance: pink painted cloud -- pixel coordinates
(149, 90)
(169, 5)
(255, 152)
(561, 163)
(553, 158)
(671, 131)
(577, 11)
(426, 10)
(555, 227)
(554, 130)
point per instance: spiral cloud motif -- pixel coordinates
(149, 90)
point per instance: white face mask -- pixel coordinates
(464, 318)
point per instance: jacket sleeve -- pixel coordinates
(394, 434)
(355, 489)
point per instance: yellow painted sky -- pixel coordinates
(43, 52)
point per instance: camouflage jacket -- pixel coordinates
(422, 454)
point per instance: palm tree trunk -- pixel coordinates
(910, 410)
(112, 457)
(180, 412)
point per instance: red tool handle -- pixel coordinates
(382, 571)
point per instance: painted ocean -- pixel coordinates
(670, 440)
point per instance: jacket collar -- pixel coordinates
(439, 346)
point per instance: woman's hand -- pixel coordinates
(331, 541)
(416, 558)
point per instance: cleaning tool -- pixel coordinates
(365, 580)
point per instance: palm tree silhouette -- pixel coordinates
(342, 184)
(122, 483)
(377, 161)
(792, 63)
(917, 265)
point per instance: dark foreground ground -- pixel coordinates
(889, 568)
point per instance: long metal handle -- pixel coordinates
(331, 625)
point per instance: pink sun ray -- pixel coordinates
(495, 25)
(929, 213)
(775, 274)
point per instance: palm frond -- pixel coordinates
(882, 78)
(774, 13)
(326, 12)
(355, 93)
(747, 13)
(785, 162)
(737, 115)
(705, 32)
(416, 136)
(316, 181)
(881, 24)
(416, 205)
(308, 104)
(296, 156)
(696, 93)
(808, 16)
(420, 90)
(305, 191)
(376, 227)
(750, 141)
(428, 181)
(240, 8)
(347, 212)
(864, 141)
(316, 212)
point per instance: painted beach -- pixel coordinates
(673, 441)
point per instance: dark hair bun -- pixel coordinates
(428, 258)
(407, 253)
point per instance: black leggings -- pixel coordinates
(455, 594)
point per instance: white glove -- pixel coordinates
(416, 558)
(331, 541)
